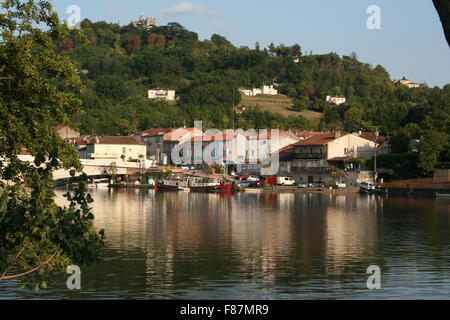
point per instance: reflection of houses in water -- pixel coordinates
(351, 231)
(262, 236)
(122, 214)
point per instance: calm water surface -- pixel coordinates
(262, 246)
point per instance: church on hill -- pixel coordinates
(144, 22)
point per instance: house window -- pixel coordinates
(124, 150)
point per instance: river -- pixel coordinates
(261, 246)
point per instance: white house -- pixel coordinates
(267, 90)
(117, 148)
(407, 83)
(161, 93)
(336, 99)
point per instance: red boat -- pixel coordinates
(222, 187)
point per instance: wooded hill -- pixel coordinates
(119, 64)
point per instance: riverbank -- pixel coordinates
(281, 189)
(274, 189)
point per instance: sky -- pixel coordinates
(409, 42)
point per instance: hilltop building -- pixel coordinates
(337, 100)
(266, 90)
(144, 22)
(162, 94)
(407, 83)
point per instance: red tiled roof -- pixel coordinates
(341, 159)
(128, 140)
(317, 140)
(170, 136)
(24, 151)
(220, 137)
(82, 140)
(57, 128)
(286, 153)
(154, 132)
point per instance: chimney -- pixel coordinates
(337, 134)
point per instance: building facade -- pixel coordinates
(314, 158)
(144, 22)
(337, 100)
(265, 90)
(406, 82)
(116, 148)
(162, 94)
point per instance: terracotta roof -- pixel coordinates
(82, 140)
(341, 159)
(286, 153)
(170, 136)
(220, 137)
(154, 132)
(57, 128)
(24, 151)
(163, 89)
(371, 137)
(317, 140)
(126, 140)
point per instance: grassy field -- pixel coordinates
(278, 104)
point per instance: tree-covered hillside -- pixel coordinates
(119, 64)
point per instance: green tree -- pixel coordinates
(433, 143)
(37, 91)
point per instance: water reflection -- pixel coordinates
(246, 246)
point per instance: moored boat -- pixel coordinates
(170, 185)
(443, 195)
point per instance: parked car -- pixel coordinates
(185, 168)
(285, 181)
(252, 178)
(241, 177)
(305, 185)
(319, 185)
(367, 187)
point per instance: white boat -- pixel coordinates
(101, 183)
(443, 195)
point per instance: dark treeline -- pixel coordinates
(124, 62)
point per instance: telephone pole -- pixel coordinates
(375, 158)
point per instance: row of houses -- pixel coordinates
(303, 155)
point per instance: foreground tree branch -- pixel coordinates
(4, 277)
(39, 89)
(443, 9)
